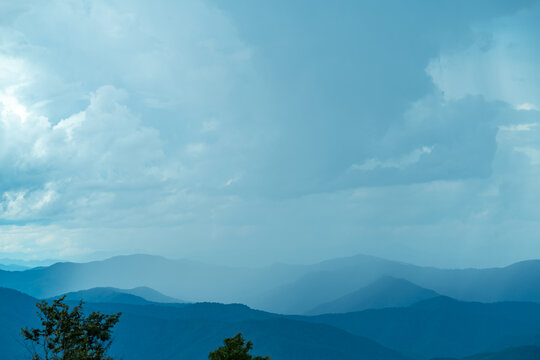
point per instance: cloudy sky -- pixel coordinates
(253, 131)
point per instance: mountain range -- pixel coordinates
(160, 331)
(280, 288)
(435, 328)
(355, 308)
(330, 280)
(442, 326)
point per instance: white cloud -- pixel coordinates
(532, 153)
(24, 204)
(527, 107)
(196, 149)
(37, 241)
(92, 151)
(190, 59)
(501, 64)
(232, 180)
(76, 152)
(519, 127)
(400, 163)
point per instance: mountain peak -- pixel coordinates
(384, 292)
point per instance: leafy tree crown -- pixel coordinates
(68, 334)
(235, 348)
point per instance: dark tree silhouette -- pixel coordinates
(235, 348)
(69, 334)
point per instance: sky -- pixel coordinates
(250, 132)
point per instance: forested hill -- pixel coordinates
(158, 331)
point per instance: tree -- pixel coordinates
(69, 334)
(235, 348)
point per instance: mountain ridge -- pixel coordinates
(139, 295)
(443, 327)
(278, 288)
(386, 291)
(158, 331)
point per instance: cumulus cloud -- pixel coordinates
(49, 169)
(179, 53)
(509, 43)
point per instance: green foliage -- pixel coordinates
(235, 348)
(69, 334)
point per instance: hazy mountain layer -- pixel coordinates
(332, 279)
(279, 288)
(13, 267)
(384, 292)
(151, 295)
(136, 296)
(186, 280)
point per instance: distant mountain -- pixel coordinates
(151, 295)
(443, 327)
(286, 289)
(384, 292)
(326, 281)
(517, 353)
(192, 331)
(27, 264)
(105, 295)
(186, 280)
(13, 267)
(136, 296)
